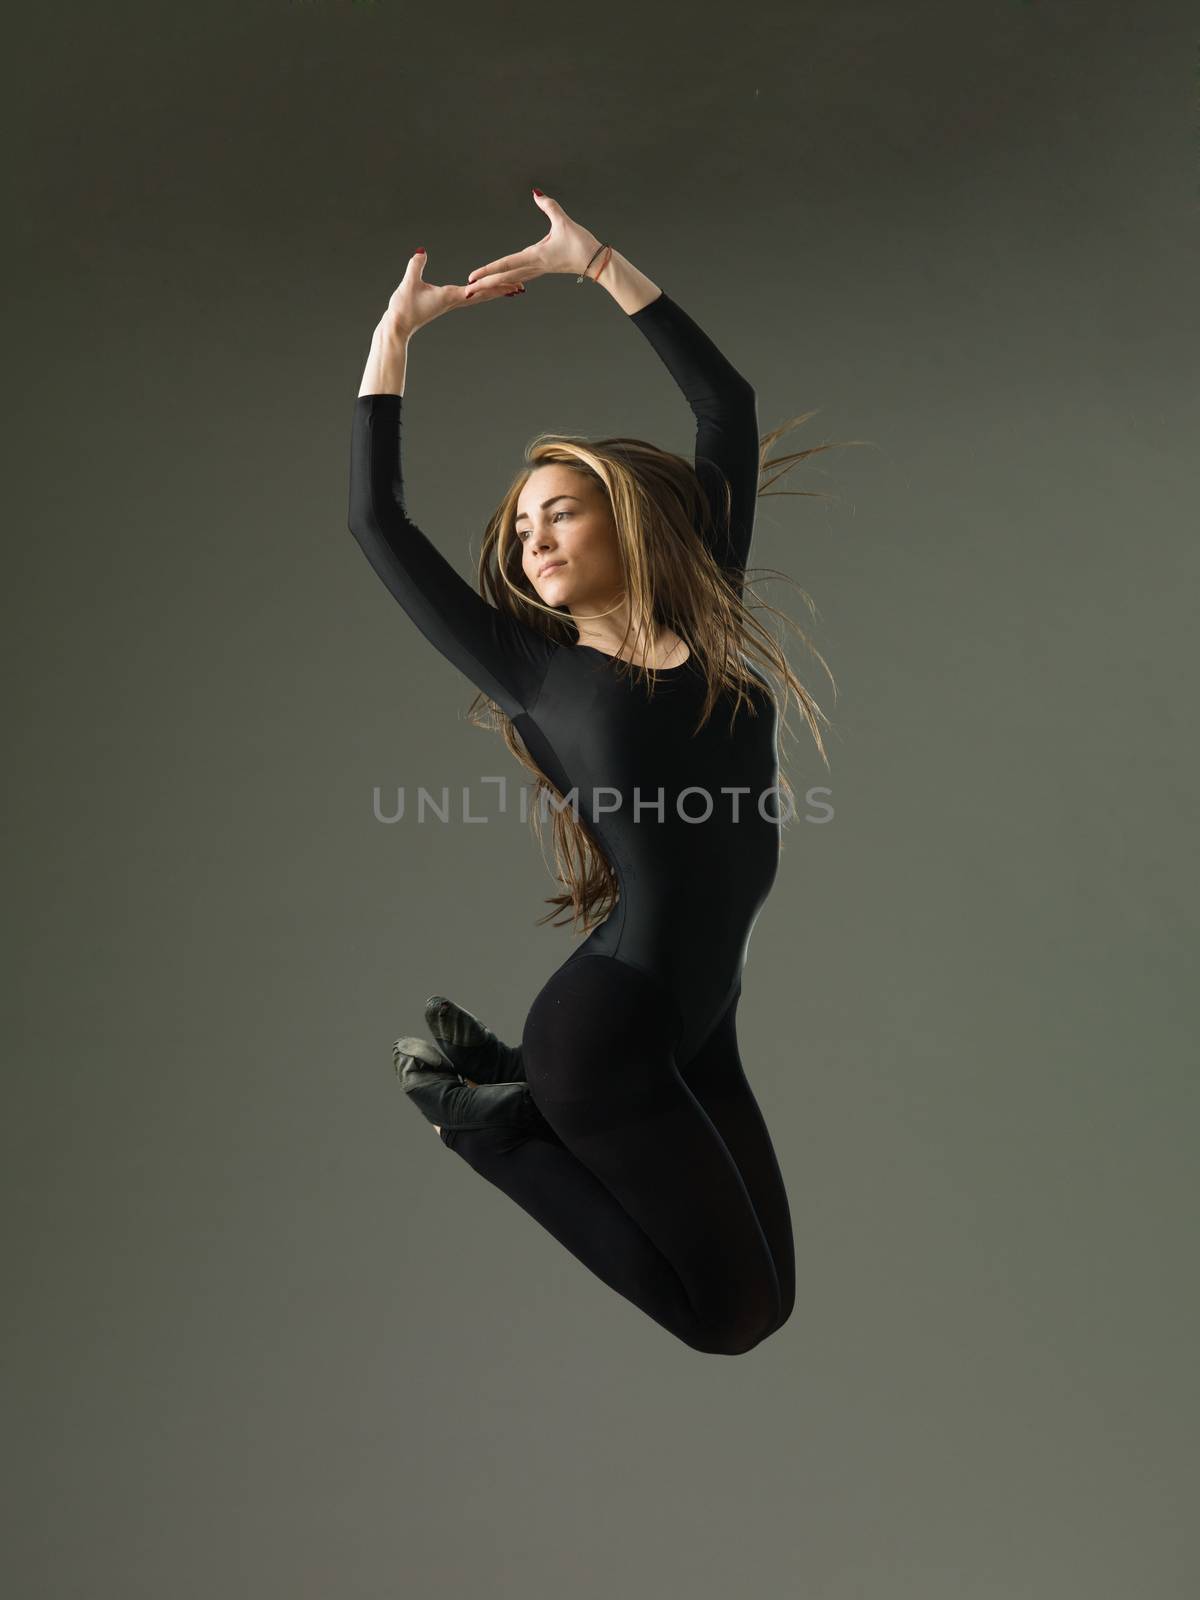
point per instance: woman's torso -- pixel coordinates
(687, 819)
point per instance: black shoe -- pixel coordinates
(448, 1101)
(470, 1046)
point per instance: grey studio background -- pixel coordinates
(264, 1335)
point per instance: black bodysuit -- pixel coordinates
(655, 1167)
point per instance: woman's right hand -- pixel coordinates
(414, 303)
(568, 247)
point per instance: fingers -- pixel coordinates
(489, 289)
(493, 285)
(504, 264)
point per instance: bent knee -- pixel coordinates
(738, 1335)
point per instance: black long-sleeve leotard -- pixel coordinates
(689, 820)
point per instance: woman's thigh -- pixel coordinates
(600, 1036)
(598, 1052)
(717, 1078)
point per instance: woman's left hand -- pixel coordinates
(568, 247)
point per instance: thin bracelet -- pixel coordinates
(603, 264)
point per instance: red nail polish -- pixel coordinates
(537, 191)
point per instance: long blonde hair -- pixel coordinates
(662, 515)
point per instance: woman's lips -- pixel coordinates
(550, 566)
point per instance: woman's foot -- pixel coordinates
(438, 1090)
(420, 1050)
(470, 1046)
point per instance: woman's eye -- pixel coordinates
(523, 533)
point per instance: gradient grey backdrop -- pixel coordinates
(265, 1336)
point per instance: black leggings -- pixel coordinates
(658, 1175)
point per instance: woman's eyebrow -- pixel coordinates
(546, 503)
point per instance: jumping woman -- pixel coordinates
(615, 660)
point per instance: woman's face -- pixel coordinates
(563, 517)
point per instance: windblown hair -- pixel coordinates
(662, 514)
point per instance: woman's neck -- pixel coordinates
(668, 649)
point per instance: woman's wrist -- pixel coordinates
(388, 361)
(590, 257)
(631, 289)
(391, 328)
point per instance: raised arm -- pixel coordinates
(498, 653)
(726, 412)
(722, 401)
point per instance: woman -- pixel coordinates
(617, 653)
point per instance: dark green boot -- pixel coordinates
(449, 1102)
(470, 1046)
